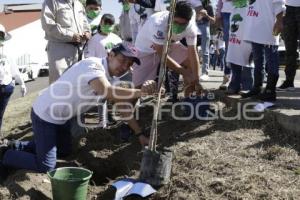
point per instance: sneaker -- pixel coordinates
(286, 86)
(267, 95)
(204, 77)
(251, 93)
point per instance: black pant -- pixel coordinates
(291, 33)
(5, 93)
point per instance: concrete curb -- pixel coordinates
(287, 118)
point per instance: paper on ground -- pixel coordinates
(127, 187)
(260, 107)
(123, 188)
(141, 189)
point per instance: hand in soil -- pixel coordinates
(144, 141)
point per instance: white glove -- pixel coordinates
(23, 90)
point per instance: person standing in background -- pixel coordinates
(139, 11)
(265, 42)
(8, 72)
(224, 8)
(93, 9)
(125, 29)
(66, 29)
(220, 48)
(102, 42)
(204, 17)
(291, 33)
(239, 51)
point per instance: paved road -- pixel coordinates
(32, 86)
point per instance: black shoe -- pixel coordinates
(286, 86)
(231, 91)
(3, 173)
(267, 95)
(251, 93)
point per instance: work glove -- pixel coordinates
(23, 90)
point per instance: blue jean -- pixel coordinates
(41, 153)
(260, 53)
(205, 39)
(241, 79)
(226, 26)
(5, 94)
(221, 58)
(213, 60)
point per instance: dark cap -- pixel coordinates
(127, 50)
(108, 19)
(93, 2)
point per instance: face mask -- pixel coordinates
(126, 7)
(177, 29)
(239, 3)
(107, 28)
(92, 14)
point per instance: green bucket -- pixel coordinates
(70, 183)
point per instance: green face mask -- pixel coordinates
(107, 28)
(126, 7)
(92, 14)
(239, 3)
(177, 29)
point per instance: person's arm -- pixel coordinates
(279, 9)
(103, 88)
(278, 26)
(173, 65)
(194, 61)
(144, 3)
(50, 26)
(219, 8)
(209, 14)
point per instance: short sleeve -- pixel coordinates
(191, 37)
(279, 6)
(159, 35)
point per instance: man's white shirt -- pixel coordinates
(71, 94)
(154, 31)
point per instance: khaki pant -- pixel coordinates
(60, 57)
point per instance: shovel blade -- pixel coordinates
(156, 167)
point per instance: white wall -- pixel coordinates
(27, 40)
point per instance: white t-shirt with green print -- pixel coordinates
(99, 45)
